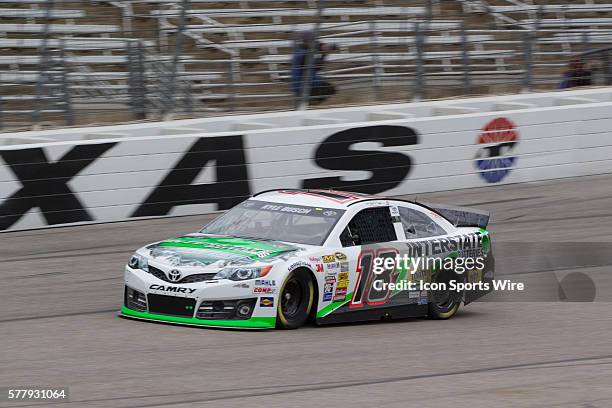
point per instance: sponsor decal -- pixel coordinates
(287, 209)
(344, 267)
(174, 289)
(340, 294)
(341, 286)
(395, 215)
(328, 258)
(316, 260)
(266, 302)
(423, 299)
(251, 249)
(494, 161)
(241, 285)
(328, 287)
(265, 282)
(264, 290)
(340, 256)
(413, 294)
(431, 247)
(474, 275)
(298, 264)
(333, 265)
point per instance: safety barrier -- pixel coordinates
(76, 176)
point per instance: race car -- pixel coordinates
(285, 257)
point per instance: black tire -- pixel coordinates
(295, 300)
(444, 304)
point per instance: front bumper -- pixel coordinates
(252, 323)
(197, 297)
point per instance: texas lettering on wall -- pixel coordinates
(45, 184)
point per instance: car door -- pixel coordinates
(372, 233)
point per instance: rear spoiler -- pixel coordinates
(462, 216)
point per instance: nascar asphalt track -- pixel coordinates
(62, 287)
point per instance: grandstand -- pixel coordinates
(77, 62)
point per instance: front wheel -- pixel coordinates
(295, 300)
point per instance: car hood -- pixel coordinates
(198, 250)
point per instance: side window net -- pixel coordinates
(369, 226)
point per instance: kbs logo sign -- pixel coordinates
(494, 161)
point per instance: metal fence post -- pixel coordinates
(1, 114)
(467, 80)
(136, 85)
(168, 104)
(67, 100)
(585, 41)
(528, 56)
(232, 84)
(44, 62)
(607, 60)
(375, 61)
(419, 80)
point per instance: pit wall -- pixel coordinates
(116, 173)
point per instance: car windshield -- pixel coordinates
(278, 222)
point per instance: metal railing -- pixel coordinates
(128, 61)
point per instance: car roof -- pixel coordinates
(315, 198)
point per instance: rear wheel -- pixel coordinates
(295, 300)
(444, 304)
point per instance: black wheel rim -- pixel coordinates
(444, 299)
(291, 298)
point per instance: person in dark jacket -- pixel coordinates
(320, 88)
(577, 74)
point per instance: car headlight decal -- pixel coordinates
(139, 262)
(243, 273)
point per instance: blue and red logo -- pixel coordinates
(494, 161)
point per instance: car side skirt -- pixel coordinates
(378, 313)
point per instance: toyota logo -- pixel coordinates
(174, 275)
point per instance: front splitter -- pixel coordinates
(252, 323)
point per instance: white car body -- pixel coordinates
(336, 269)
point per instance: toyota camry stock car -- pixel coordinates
(283, 257)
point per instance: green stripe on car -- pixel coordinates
(244, 247)
(252, 323)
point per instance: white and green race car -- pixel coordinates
(284, 257)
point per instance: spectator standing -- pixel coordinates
(577, 74)
(320, 88)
